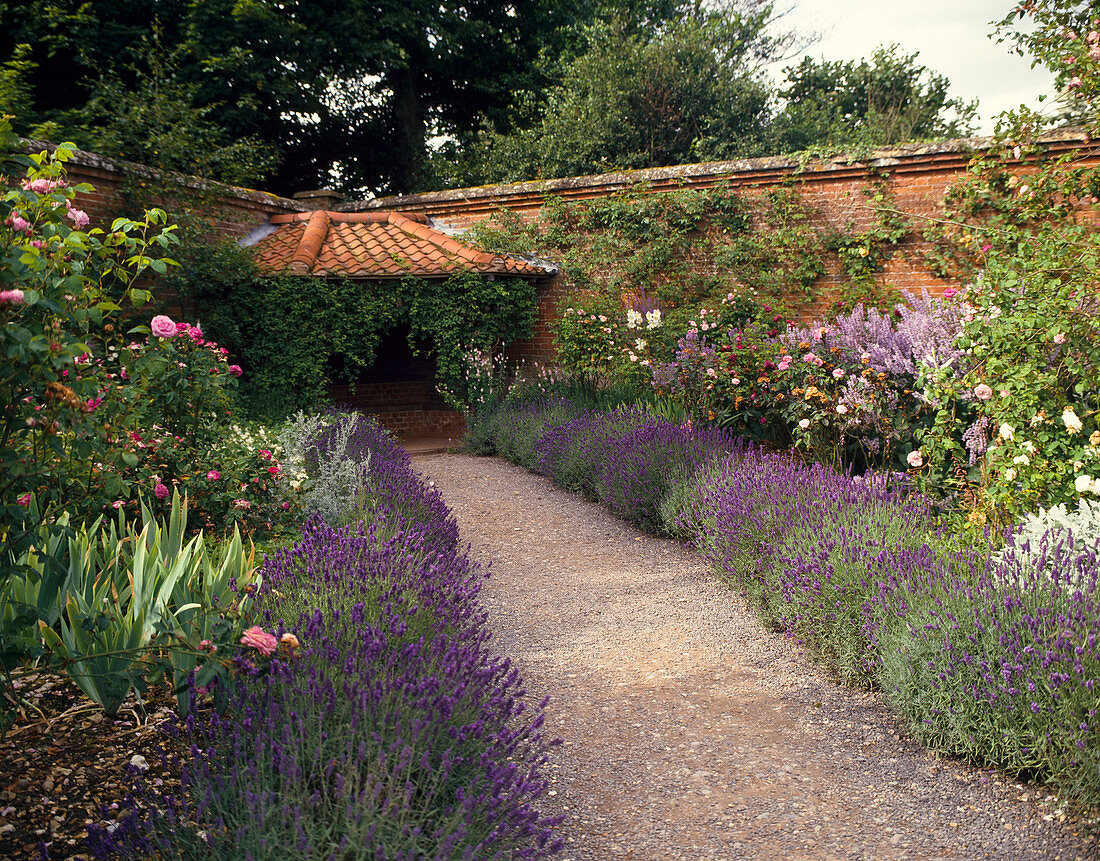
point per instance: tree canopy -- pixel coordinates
(345, 92)
(380, 97)
(886, 100)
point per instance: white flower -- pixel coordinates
(1082, 483)
(841, 409)
(653, 318)
(640, 343)
(1029, 447)
(805, 423)
(1010, 474)
(1070, 420)
(915, 459)
(1006, 431)
(633, 319)
(1021, 459)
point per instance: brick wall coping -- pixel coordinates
(908, 158)
(120, 167)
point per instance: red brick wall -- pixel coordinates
(916, 177)
(233, 211)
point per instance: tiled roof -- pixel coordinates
(375, 245)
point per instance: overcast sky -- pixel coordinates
(950, 35)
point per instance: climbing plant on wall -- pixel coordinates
(686, 251)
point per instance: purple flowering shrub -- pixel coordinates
(575, 452)
(988, 655)
(999, 662)
(644, 465)
(394, 731)
(848, 390)
(517, 429)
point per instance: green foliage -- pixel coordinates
(683, 92)
(293, 335)
(149, 113)
(123, 589)
(1063, 36)
(353, 78)
(864, 254)
(296, 334)
(849, 104)
(61, 288)
(449, 317)
(784, 257)
(1019, 225)
(1036, 340)
(179, 384)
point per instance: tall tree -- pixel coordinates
(347, 90)
(887, 100)
(659, 84)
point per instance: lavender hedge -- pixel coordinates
(396, 733)
(988, 655)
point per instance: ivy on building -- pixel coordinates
(295, 335)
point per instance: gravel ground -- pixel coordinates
(691, 732)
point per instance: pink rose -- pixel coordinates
(265, 454)
(260, 640)
(24, 500)
(915, 459)
(1060, 338)
(163, 327)
(20, 224)
(160, 491)
(15, 297)
(838, 373)
(235, 370)
(194, 333)
(43, 186)
(213, 475)
(983, 392)
(79, 218)
(950, 293)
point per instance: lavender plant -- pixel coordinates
(393, 730)
(645, 463)
(999, 662)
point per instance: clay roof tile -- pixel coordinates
(375, 245)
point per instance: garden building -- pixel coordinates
(399, 388)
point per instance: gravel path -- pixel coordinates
(691, 732)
